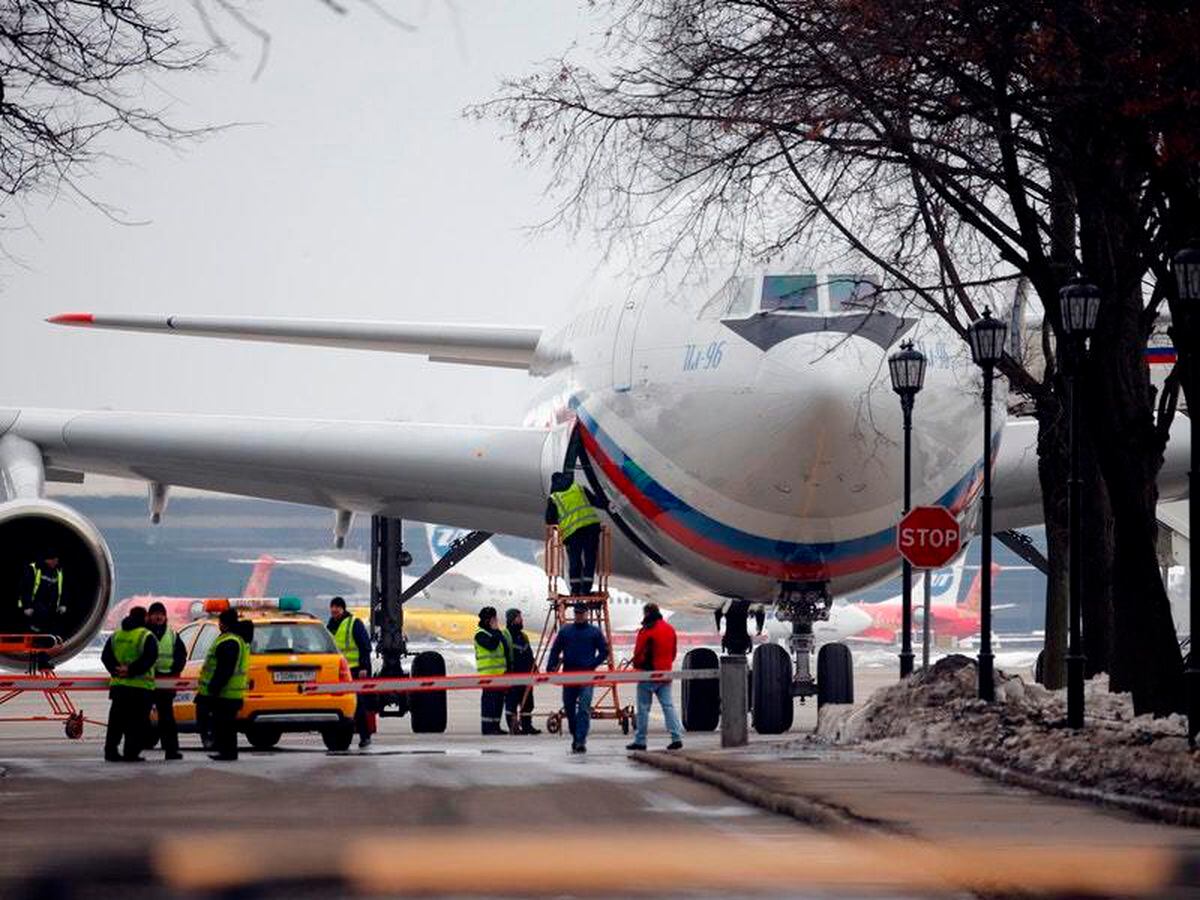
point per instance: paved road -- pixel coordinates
(58, 798)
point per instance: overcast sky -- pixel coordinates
(361, 192)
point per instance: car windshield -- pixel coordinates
(292, 637)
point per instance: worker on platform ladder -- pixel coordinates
(573, 509)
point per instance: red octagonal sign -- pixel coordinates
(928, 537)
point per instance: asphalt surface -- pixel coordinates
(446, 807)
(60, 801)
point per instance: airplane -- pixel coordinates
(485, 578)
(950, 617)
(745, 441)
(181, 610)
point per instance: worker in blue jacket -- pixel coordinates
(578, 647)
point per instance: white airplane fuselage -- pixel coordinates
(751, 449)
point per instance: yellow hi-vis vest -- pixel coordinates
(344, 638)
(235, 687)
(574, 511)
(37, 583)
(127, 647)
(166, 652)
(490, 662)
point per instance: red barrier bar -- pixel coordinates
(382, 685)
(498, 682)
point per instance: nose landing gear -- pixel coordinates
(776, 678)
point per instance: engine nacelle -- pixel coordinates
(31, 530)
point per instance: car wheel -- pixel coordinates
(338, 737)
(263, 737)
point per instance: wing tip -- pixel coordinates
(72, 319)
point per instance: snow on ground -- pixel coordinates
(936, 712)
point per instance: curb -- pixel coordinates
(1158, 810)
(799, 807)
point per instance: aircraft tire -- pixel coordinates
(427, 709)
(701, 698)
(835, 675)
(771, 707)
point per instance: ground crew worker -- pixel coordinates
(491, 658)
(171, 657)
(223, 685)
(654, 651)
(354, 642)
(519, 700)
(41, 599)
(580, 647)
(129, 656)
(573, 509)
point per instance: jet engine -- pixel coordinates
(33, 529)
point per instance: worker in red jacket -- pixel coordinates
(654, 651)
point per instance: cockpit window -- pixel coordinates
(734, 299)
(789, 292)
(852, 292)
(741, 296)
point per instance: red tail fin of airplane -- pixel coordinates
(971, 601)
(256, 586)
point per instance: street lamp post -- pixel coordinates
(986, 337)
(1186, 265)
(907, 366)
(1079, 304)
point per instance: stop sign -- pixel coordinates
(928, 536)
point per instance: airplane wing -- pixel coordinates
(1018, 493)
(470, 476)
(482, 345)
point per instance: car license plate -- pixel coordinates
(185, 697)
(294, 675)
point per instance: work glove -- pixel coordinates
(62, 610)
(29, 613)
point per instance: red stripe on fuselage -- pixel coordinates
(705, 547)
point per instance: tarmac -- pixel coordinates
(62, 806)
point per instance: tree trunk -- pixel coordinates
(1119, 413)
(1098, 537)
(1053, 465)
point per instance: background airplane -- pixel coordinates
(952, 616)
(486, 577)
(185, 609)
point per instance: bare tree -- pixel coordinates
(72, 71)
(953, 145)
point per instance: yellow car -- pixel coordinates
(289, 648)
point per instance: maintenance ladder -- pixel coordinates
(606, 703)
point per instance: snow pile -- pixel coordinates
(936, 712)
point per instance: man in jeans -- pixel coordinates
(580, 647)
(654, 651)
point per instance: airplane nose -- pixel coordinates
(817, 430)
